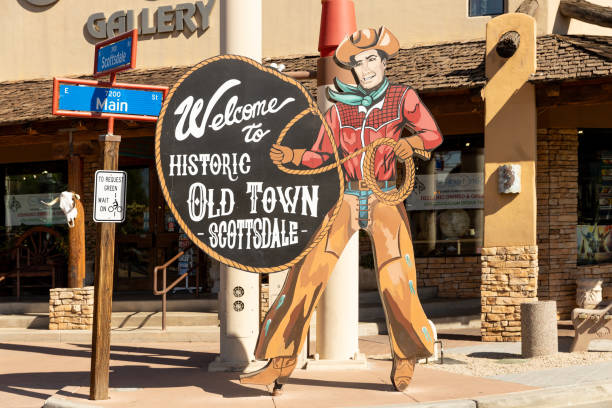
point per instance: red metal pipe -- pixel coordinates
(337, 21)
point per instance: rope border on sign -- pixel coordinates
(312, 109)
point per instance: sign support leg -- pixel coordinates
(103, 292)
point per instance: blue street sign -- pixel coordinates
(115, 55)
(110, 100)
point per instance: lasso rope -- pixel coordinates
(393, 197)
(327, 221)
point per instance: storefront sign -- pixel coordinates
(27, 209)
(164, 19)
(447, 191)
(116, 54)
(212, 145)
(41, 3)
(83, 98)
(109, 196)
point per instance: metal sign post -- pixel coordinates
(107, 100)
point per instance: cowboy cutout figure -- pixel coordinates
(372, 110)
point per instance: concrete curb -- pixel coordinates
(56, 401)
(437, 404)
(553, 397)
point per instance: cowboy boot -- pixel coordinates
(401, 373)
(276, 371)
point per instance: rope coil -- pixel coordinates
(393, 197)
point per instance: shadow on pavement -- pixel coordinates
(340, 384)
(493, 355)
(139, 376)
(147, 355)
(184, 368)
(565, 342)
(459, 336)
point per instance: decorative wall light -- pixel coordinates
(509, 178)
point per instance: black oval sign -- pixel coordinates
(212, 146)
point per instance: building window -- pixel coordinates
(446, 206)
(594, 229)
(24, 186)
(486, 7)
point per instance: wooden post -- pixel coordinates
(103, 292)
(76, 239)
(508, 44)
(528, 7)
(76, 234)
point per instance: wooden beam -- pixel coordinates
(528, 7)
(24, 139)
(301, 74)
(578, 93)
(508, 44)
(103, 292)
(459, 104)
(586, 11)
(76, 233)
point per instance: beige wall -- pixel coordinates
(52, 41)
(295, 30)
(510, 134)
(42, 42)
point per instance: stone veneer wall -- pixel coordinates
(509, 278)
(264, 300)
(71, 308)
(557, 195)
(455, 277)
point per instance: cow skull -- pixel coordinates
(67, 204)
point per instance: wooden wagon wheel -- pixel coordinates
(40, 246)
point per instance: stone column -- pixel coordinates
(539, 329)
(509, 253)
(241, 34)
(509, 278)
(338, 311)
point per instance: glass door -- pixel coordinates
(134, 251)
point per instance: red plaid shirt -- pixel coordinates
(354, 128)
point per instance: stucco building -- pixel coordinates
(470, 243)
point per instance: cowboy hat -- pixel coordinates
(366, 39)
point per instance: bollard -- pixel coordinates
(539, 328)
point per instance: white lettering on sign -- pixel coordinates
(113, 106)
(202, 200)
(109, 196)
(226, 164)
(287, 197)
(257, 233)
(114, 59)
(165, 19)
(233, 114)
